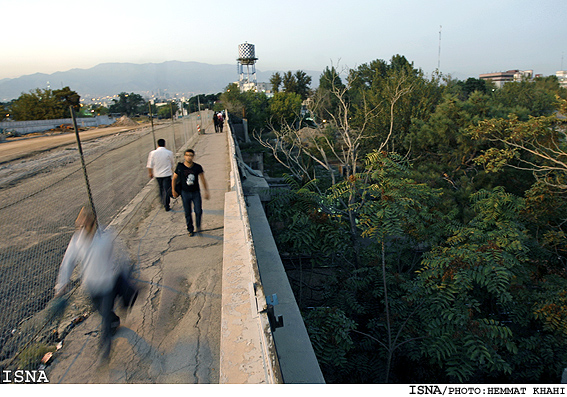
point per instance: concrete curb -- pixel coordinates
(248, 353)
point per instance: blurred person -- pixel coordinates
(220, 121)
(160, 165)
(105, 273)
(190, 173)
(216, 121)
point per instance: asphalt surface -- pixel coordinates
(172, 335)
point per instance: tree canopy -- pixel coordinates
(424, 226)
(129, 104)
(45, 104)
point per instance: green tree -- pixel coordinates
(397, 93)
(486, 299)
(527, 98)
(232, 100)
(326, 100)
(167, 111)
(394, 216)
(65, 98)
(289, 82)
(253, 106)
(536, 145)
(4, 112)
(297, 83)
(46, 104)
(471, 85)
(129, 104)
(303, 83)
(285, 107)
(276, 82)
(205, 101)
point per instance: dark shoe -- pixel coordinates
(191, 234)
(168, 209)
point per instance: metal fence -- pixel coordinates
(40, 198)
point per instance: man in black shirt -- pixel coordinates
(190, 173)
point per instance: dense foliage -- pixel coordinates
(45, 104)
(424, 227)
(129, 104)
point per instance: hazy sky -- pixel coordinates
(477, 36)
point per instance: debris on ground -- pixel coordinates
(124, 121)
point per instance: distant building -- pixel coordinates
(266, 88)
(501, 78)
(562, 77)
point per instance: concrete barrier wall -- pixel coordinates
(253, 271)
(248, 354)
(28, 127)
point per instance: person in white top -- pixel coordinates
(160, 165)
(105, 272)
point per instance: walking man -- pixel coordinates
(190, 174)
(220, 121)
(216, 121)
(105, 273)
(160, 165)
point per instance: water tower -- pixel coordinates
(247, 66)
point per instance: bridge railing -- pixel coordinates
(247, 349)
(256, 292)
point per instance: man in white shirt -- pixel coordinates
(160, 165)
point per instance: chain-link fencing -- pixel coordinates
(40, 197)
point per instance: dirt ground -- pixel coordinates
(26, 146)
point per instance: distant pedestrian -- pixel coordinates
(160, 165)
(190, 174)
(216, 121)
(220, 121)
(105, 273)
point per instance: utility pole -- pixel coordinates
(84, 166)
(152, 121)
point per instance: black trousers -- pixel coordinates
(104, 304)
(164, 184)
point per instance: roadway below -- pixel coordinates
(28, 146)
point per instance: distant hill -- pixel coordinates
(113, 78)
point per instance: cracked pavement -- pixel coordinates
(172, 334)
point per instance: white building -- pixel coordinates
(562, 77)
(501, 78)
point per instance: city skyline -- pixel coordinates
(464, 40)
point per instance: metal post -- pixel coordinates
(152, 120)
(83, 164)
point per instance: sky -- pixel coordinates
(463, 37)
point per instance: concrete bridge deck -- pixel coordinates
(201, 316)
(172, 334)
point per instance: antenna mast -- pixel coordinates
(439, 54)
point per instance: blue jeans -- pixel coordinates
(195, 198)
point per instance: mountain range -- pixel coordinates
(107, 79)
